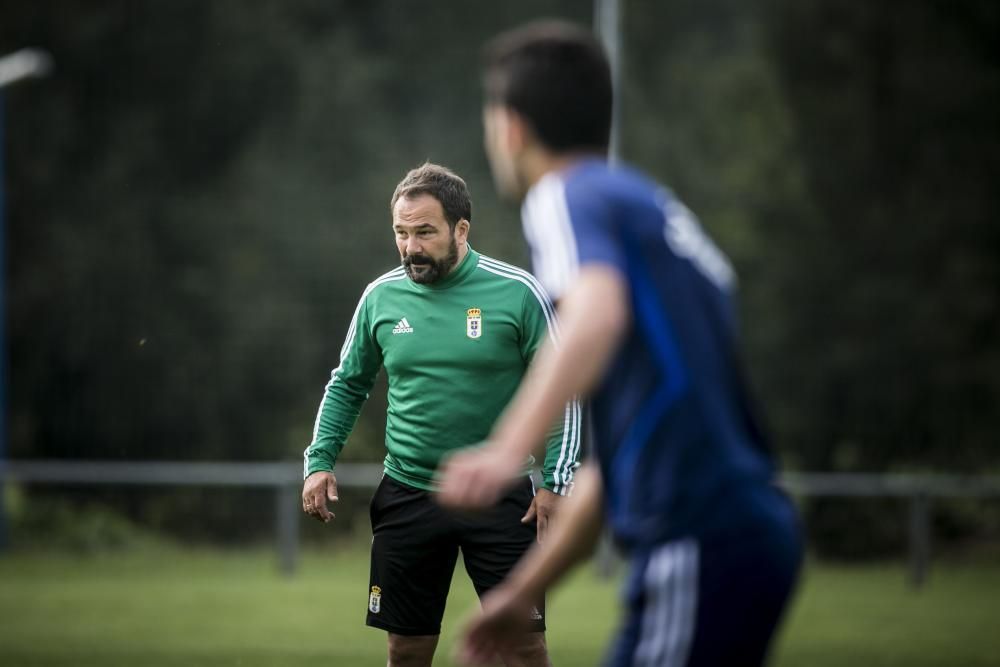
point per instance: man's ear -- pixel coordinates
(517, 131)
(462, 230)
(509, 128)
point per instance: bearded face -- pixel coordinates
(426, 269)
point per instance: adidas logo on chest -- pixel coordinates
(402, 327)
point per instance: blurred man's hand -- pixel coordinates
(498, 628)
(476, 478)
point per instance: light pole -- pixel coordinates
(18, 66)
(608, 26)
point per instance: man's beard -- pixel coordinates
(430, 270)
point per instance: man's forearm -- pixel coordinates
(570, 539)
(338, 413)
(319, 459)
(562, 450)
(593, 317)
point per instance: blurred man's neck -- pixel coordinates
(538, 162)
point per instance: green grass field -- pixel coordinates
(227, 608)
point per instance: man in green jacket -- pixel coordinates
(456, 332)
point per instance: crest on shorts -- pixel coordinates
(473, 323)
(375, 600)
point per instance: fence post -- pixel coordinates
(920, 538)
(605, 555)
(286, 509)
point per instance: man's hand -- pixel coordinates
(502, 624)
(476, 478)
(542, 509)
(316, 490)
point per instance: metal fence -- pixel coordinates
(286, 481)
(284, 478)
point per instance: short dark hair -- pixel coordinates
(557, 76)
(441, 183)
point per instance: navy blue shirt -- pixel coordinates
(675, 434)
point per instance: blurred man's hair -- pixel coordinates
(441, 183)
(556, 75)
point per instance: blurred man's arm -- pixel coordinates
(506, 607)
(562, 448)
(593, 317)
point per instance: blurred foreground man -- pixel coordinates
(649, 331)
(455, 331)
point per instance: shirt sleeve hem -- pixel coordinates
(318, 466)
(559, 489)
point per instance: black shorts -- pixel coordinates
(415, 545)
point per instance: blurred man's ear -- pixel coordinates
(507, 127)
(517, 130)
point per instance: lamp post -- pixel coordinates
(18, 66)
(608, 26)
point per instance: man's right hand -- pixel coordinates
(316, 490)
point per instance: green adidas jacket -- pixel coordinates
(454, 353)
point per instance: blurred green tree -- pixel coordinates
(200, 194)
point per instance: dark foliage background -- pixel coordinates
(198, 196)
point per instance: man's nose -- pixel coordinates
(413, 246)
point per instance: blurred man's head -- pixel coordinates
(547, 90)
(431, 210)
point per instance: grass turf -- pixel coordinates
(229, 608)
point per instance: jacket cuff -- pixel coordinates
(317, 462)
(548, 483)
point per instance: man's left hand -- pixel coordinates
(542, 509)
